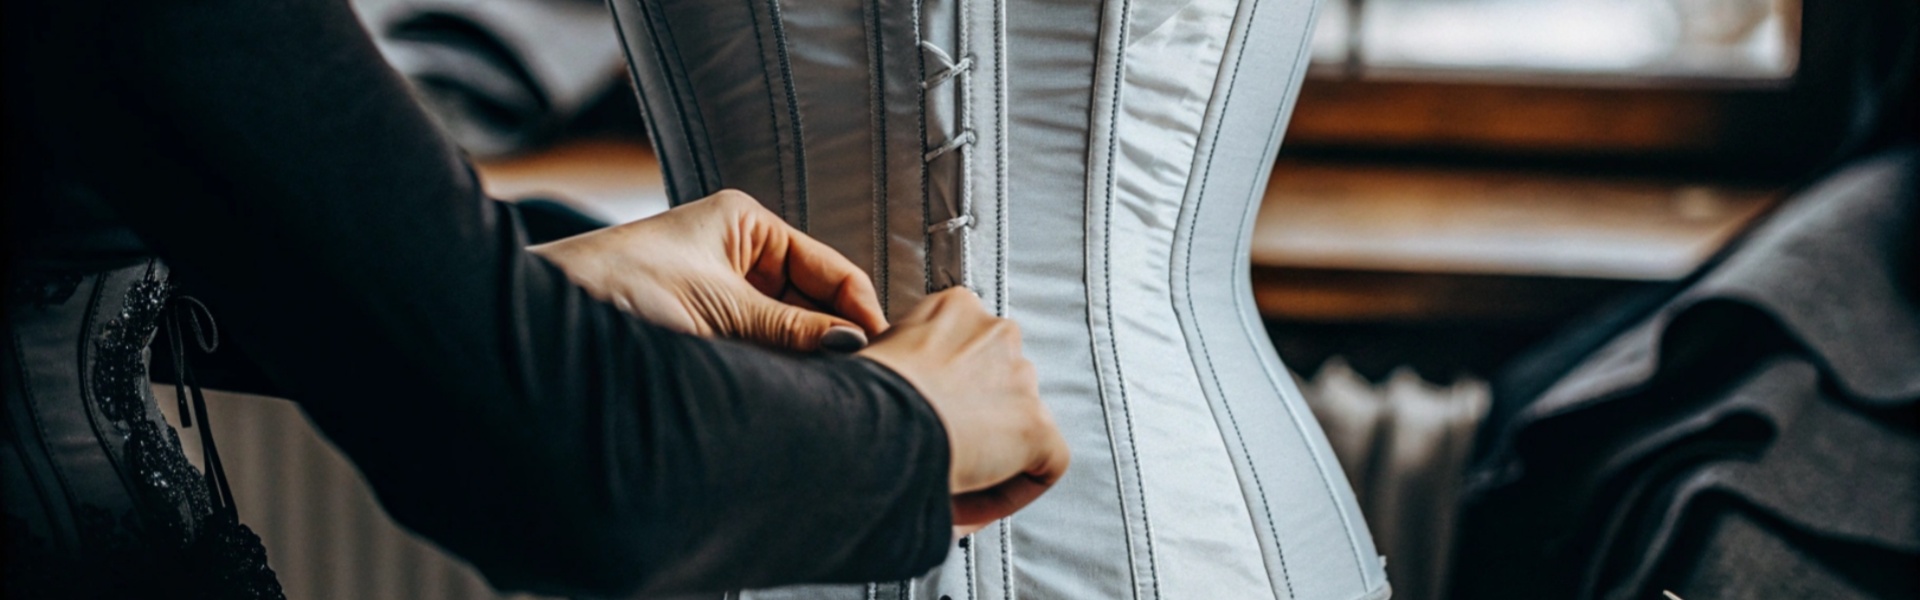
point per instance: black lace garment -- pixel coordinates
(81, 426)
(265, 153)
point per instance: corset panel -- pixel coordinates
(1090, 169)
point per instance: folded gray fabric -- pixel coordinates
(499, 75)
(1758, 431)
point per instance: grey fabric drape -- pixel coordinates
(499, 75)
(1755, 437)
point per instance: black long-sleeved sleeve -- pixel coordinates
(269, 156)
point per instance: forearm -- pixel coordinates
(553, 441)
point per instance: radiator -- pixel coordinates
(1404, 444)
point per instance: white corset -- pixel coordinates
(1091, 170)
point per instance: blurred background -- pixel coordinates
(1595, 298)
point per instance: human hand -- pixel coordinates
(725, 266)
(1004, 446)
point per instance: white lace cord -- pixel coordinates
(945, 59)
(965, 137)
(951, 225)
(947, 73)
(950, 70)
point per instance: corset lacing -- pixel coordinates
(236, 559)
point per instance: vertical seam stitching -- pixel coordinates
(1002, 286)
(773, 117)
(1239, 304)
(1200, 336)
(1096, 352)
(963, 88)
(664, 49)
(876, 78)
(1006, 557)
(1239, 300)
(1213, 146)
(1001, 150)
(646, 115)
(1106, 267)
(920, 108)
(793, 112)
(971, 572)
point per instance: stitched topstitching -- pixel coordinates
(646, 116)
(1239, 300)
(1106, 267)
(1001, 150)
(690, 116)
(1006, 557)
(1200, 336)
(1106, 411)
(964, 91)
(971, 572)
(773, 117)
(877, 78)
(1001, 285)
(793, 111)
(662, 52)
(1240, 306)
(920, 107)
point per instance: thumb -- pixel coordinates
(774, 323)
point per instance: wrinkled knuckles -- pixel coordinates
(784, 328)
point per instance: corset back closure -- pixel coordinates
(115, 508)
(1090, 169)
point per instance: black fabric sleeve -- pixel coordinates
(557, 444)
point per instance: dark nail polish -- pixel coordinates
(841, 338)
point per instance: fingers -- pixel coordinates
(790, 259)
(958, 299)
(975, 510)
(769, 322)
(829, 278)
(988, 505)
(1006, 450)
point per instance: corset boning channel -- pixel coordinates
(1090, 169)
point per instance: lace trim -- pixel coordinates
(189, 513)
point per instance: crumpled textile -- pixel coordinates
(499, 75)
(1755, 436)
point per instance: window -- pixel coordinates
(1585, 42)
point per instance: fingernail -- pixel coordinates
(841, 338)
